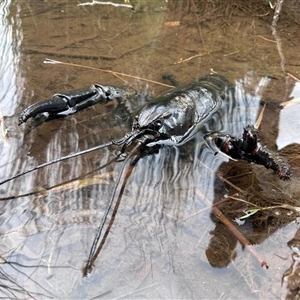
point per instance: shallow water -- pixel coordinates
(166, 241)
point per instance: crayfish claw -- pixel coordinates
(286, 172)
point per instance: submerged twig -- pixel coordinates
(268, 40)
(231, 184)
(260, 117)
(117, 74)
(195, 56)
(293, 77)
(189, 58)
(275, 34)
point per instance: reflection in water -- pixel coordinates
(11, 83)
(291, 277)
(221, 249)
(289, 123)
(11, 39)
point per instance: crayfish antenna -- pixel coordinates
(95, 249)
(57, 160)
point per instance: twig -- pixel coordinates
(231, 184)
(275, 34)
(293, 77)
(195, 56)
(117, 74)
(231, 53)
(268, 40)
(277, 12)
(260, 117)
(192, 57)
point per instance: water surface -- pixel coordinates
(166, 240)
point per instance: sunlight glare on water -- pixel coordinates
(289, 122)
(11, 81)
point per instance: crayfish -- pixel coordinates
(171, 119)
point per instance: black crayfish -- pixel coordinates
(171, 119)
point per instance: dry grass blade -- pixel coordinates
(250, 212)
(117, 74)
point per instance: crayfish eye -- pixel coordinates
(226, 147)
(158, 123)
